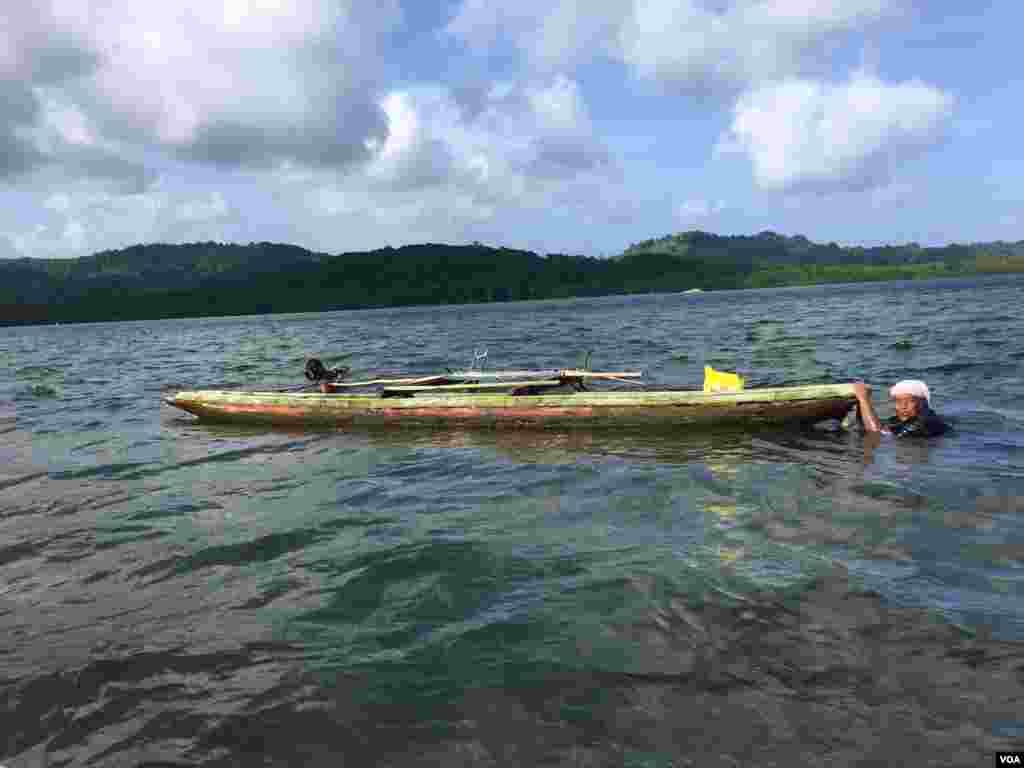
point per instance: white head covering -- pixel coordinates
(911, 387)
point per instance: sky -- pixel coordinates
(559, 126)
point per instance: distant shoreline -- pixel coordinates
(160, 281)
(701, 294)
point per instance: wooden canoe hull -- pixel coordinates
(669, 408)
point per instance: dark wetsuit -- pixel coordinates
(927, 423)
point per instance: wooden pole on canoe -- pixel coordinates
(476, 387)
(566, 373)
(515, 375)
(575, 374)
(370, 382)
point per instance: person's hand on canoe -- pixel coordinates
(868, 417)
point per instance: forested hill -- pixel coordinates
(770, 249)
(157, 281)
(769, 259)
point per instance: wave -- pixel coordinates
(977, 417)
(961, 367)
(13, 481)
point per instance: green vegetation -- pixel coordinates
(815, 274)
(201, 279)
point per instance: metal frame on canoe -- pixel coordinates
(663, 408)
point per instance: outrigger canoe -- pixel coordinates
(429, 401)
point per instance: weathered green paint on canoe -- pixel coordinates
(667, 408)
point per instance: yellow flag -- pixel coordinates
(720, 381)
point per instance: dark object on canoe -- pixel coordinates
(752, 407)
(317, 371)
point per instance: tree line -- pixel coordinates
(203, 279)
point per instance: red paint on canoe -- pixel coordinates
(264, 410)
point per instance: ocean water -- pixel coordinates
(173, 593)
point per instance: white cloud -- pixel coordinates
(178, 66)
(532, 129)
(39, 41)
(559, 106)
(457, 171)
(205, 208)
(7, 248)
(89, 217)
(892, 196)
(102, 98)
(232, 83)
(801, 133)
(703, 44)
(697, 210)
(518, 156)
(63, 123)
(773, 58)
(690, 43)
(554, 34)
